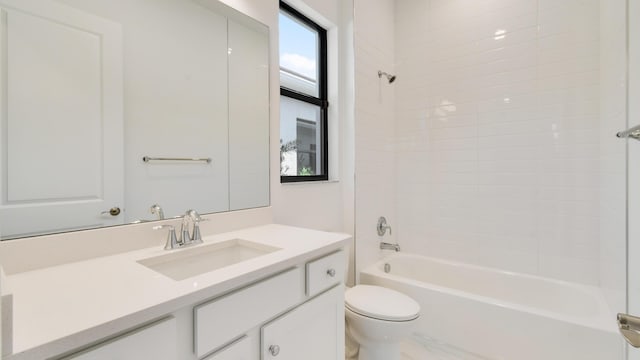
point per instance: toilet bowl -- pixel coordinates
(377, 320)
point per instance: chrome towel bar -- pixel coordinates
(149, 158)
(633, 133)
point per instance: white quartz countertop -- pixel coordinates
(60, 308)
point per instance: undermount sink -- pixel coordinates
(186, 263)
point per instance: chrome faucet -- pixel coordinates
(382, 228)
(186, 238)
(157, 210)
(389, 246)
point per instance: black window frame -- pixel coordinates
(321, 101)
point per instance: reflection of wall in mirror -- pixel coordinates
(248, 115)
(175, 105)
(175, 95)
(180, 88)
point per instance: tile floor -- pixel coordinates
(422, 348)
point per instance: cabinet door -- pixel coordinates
(313, 331)
(157, 342)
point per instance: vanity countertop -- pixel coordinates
(60, 308)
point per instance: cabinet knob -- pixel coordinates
(331, 272)
(274, 350)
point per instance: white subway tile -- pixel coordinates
(493, 129)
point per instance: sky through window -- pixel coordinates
(298, 47)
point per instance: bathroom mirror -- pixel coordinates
(108, 107)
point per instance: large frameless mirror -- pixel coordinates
(121, 111)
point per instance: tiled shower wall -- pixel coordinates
(375, 169)
(613, 178)
(498, 133)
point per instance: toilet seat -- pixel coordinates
(381, 303)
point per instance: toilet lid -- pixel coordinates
(381, 303)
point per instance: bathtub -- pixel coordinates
(501, 315)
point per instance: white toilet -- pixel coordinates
(378, 319)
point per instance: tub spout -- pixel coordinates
(388, 246)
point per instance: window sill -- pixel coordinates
(310, 182)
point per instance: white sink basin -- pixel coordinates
(189, 262)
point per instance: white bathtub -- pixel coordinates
(501, 315)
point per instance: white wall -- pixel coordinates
(316, 206)
(375, 184)
(613, 177)
(325, 205)
(319, 205)
(498, 133)
(634, 168)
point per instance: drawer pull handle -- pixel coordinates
(274, 350)
(331, 272)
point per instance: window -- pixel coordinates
(303, 98)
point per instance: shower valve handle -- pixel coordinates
(382, 226)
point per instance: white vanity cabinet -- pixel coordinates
(291, 311)
(156, 341)
(298, 314)
(314, 330)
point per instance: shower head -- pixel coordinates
(390, 78)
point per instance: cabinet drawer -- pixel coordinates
(224, 319)
(239, 350)
(325, 272)
(156, 341)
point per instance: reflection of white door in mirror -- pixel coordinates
(60, 118)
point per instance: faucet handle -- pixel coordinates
(172, 240)
(196, 237)
(382, 226)
(192, 214)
